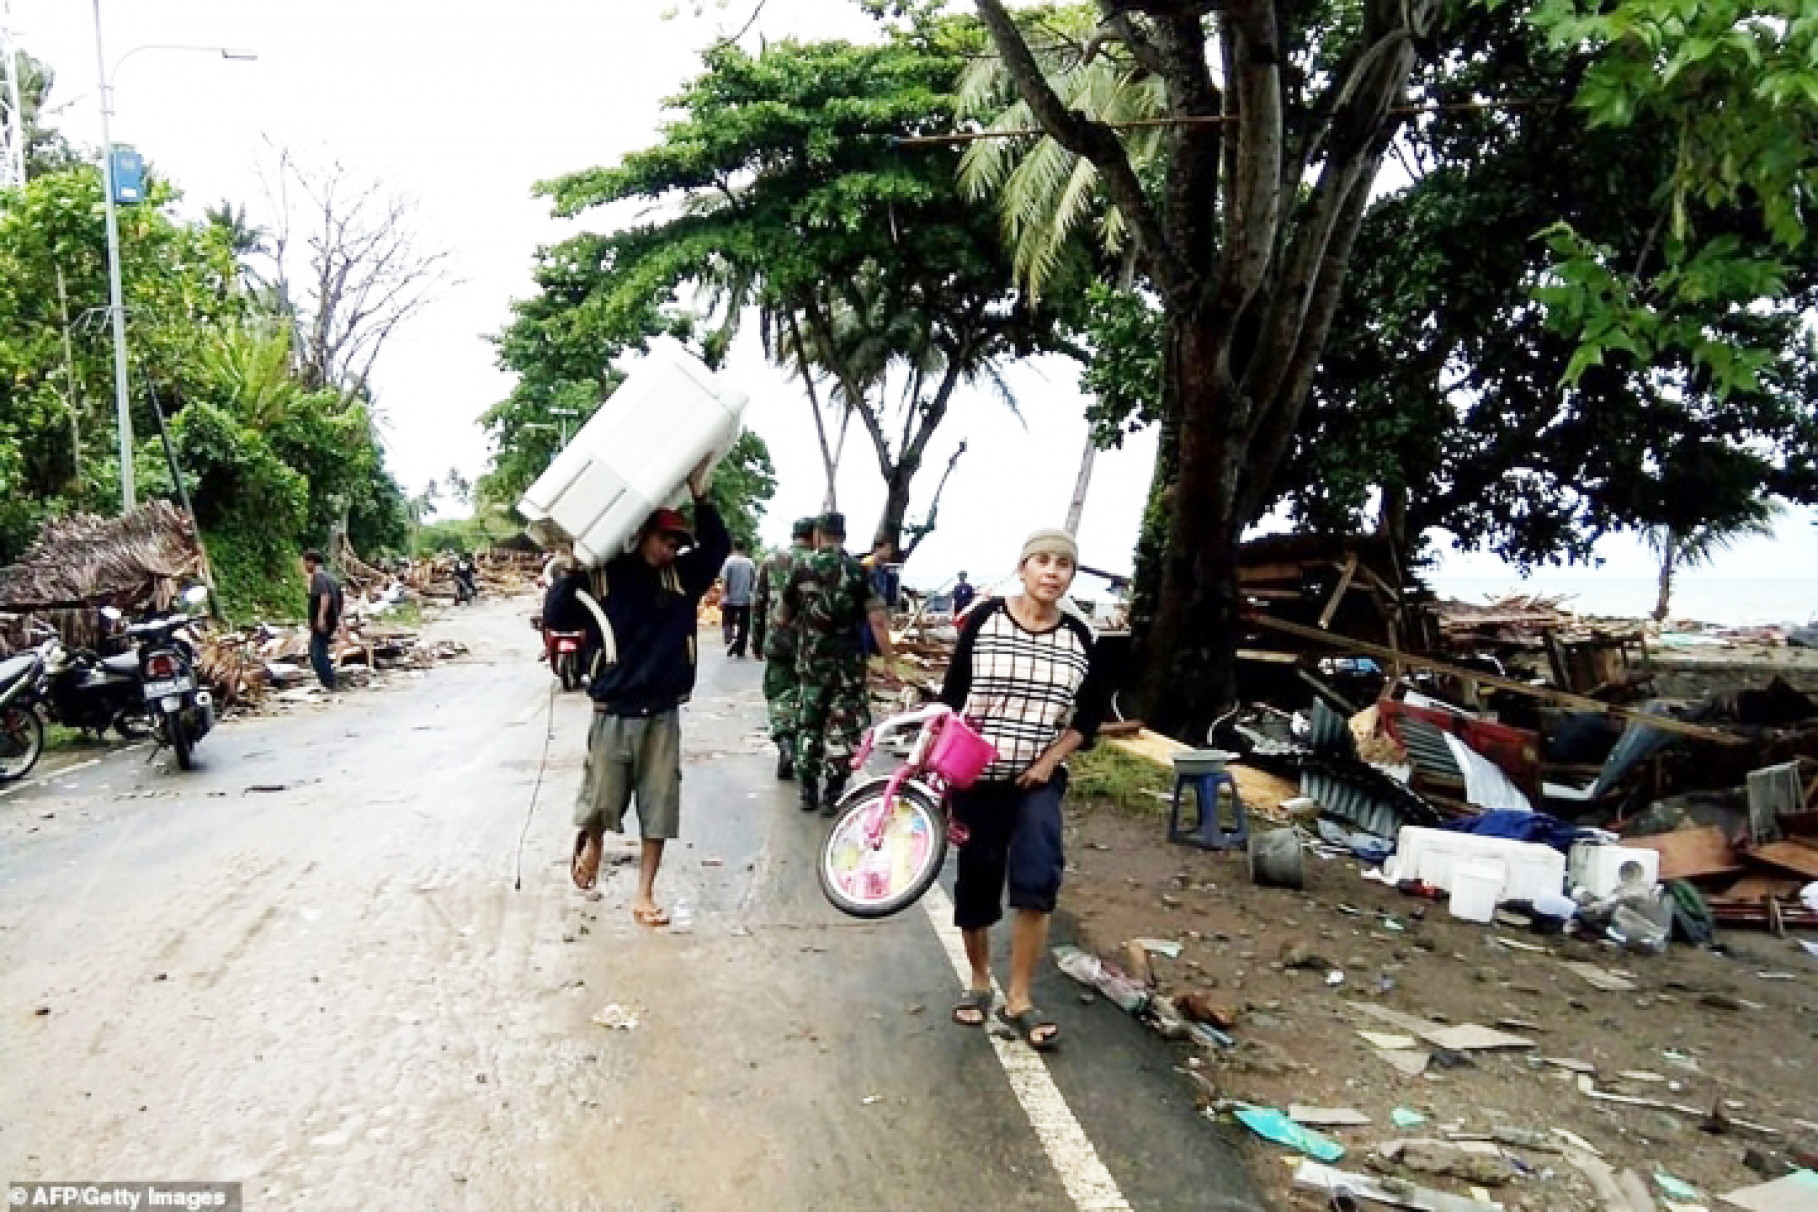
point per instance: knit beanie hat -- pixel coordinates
(1049, 542)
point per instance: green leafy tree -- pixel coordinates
(784, 192)
(1736, 82)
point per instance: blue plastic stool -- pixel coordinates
(1204, 771)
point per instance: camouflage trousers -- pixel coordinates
(833, 712)
(782, 693)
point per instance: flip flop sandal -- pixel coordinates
(584, 867)
(650, 917)
(980, 1000)
(1027, 1024)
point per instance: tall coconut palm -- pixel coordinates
(1046, 194)
(1698, 545)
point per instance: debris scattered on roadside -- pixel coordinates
(1328, 1117)
(616, 1017)
(1270, 1124)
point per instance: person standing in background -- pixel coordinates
(738, 577)
(829, 598)
(775, 641)
(324, 617)
(964, 594)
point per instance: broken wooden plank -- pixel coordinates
(1327, 1117)
(1664, 723)
(1785, 856)
(1796, 1192)
(1338, 594)
(1690, 853)
(1473, 1037)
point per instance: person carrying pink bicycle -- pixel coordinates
(1024, 678)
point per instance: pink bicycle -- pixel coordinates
(891, 835)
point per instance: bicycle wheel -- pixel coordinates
(21, 741)
(866, 880)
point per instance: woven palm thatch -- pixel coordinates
(135, 561)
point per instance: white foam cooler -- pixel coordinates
(635, 454)
(1435, 855)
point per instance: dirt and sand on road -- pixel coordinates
(304, 967)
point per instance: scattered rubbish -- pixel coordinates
(1523, 1138)
(1797, 1192)
(1517, 944)
(1811, 948)
(1451, 1159)
(1570, 1065)
(1335, 978)
(1391, 1043)
(1446, 1058)
(1199, 1007)
(1328, 1117)
(1275, 859)
(1641, 1075)
(1343, 1186)
(1406, 1117)
(1136, 965)
(617, 1018)
(871, 1100)
(1779, 976)
(1675, 1188)
(1470, 1037)
(1161, 947)
(1409, 1064)
(1270, 1124)
(1601, 978)
(1577, 1142)
(1089, 970)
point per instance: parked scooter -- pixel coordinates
(88, 691)
(21, 730)
(182, 712)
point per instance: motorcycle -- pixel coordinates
(465, 588)
(92, 692)
(182, 712)
(565, 656)
(21, 731)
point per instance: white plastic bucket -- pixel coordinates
(1477, 889)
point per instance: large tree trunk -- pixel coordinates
(1668, 550)
(896, 506)
(1191, 673)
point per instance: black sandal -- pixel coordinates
(1027, 1024)
(980, 1000)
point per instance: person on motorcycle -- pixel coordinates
(464, 573)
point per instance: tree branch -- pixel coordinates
(918, 533)
(1084, 137)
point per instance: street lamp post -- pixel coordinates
(116, 303)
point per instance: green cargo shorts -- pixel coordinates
(626, 754)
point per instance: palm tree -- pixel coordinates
(1045, 193)
(1699, 545)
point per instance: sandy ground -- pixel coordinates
(1747, 1043)
(304, 967)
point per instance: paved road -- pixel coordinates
(332, 993)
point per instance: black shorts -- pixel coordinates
(1015, 838)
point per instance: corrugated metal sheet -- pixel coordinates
(1331, 732)
(1427, 749)
(1354, 806)
(1637, 743)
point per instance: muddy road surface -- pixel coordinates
(303, 967)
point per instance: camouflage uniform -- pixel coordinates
(776, 643)
(829, 597)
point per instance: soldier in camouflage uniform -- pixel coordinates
(829, 598)
(775, 641)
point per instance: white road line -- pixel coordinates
(1075, 1160)
(45, 779)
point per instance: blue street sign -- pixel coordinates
(129, 177)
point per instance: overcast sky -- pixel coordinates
(464, 107)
